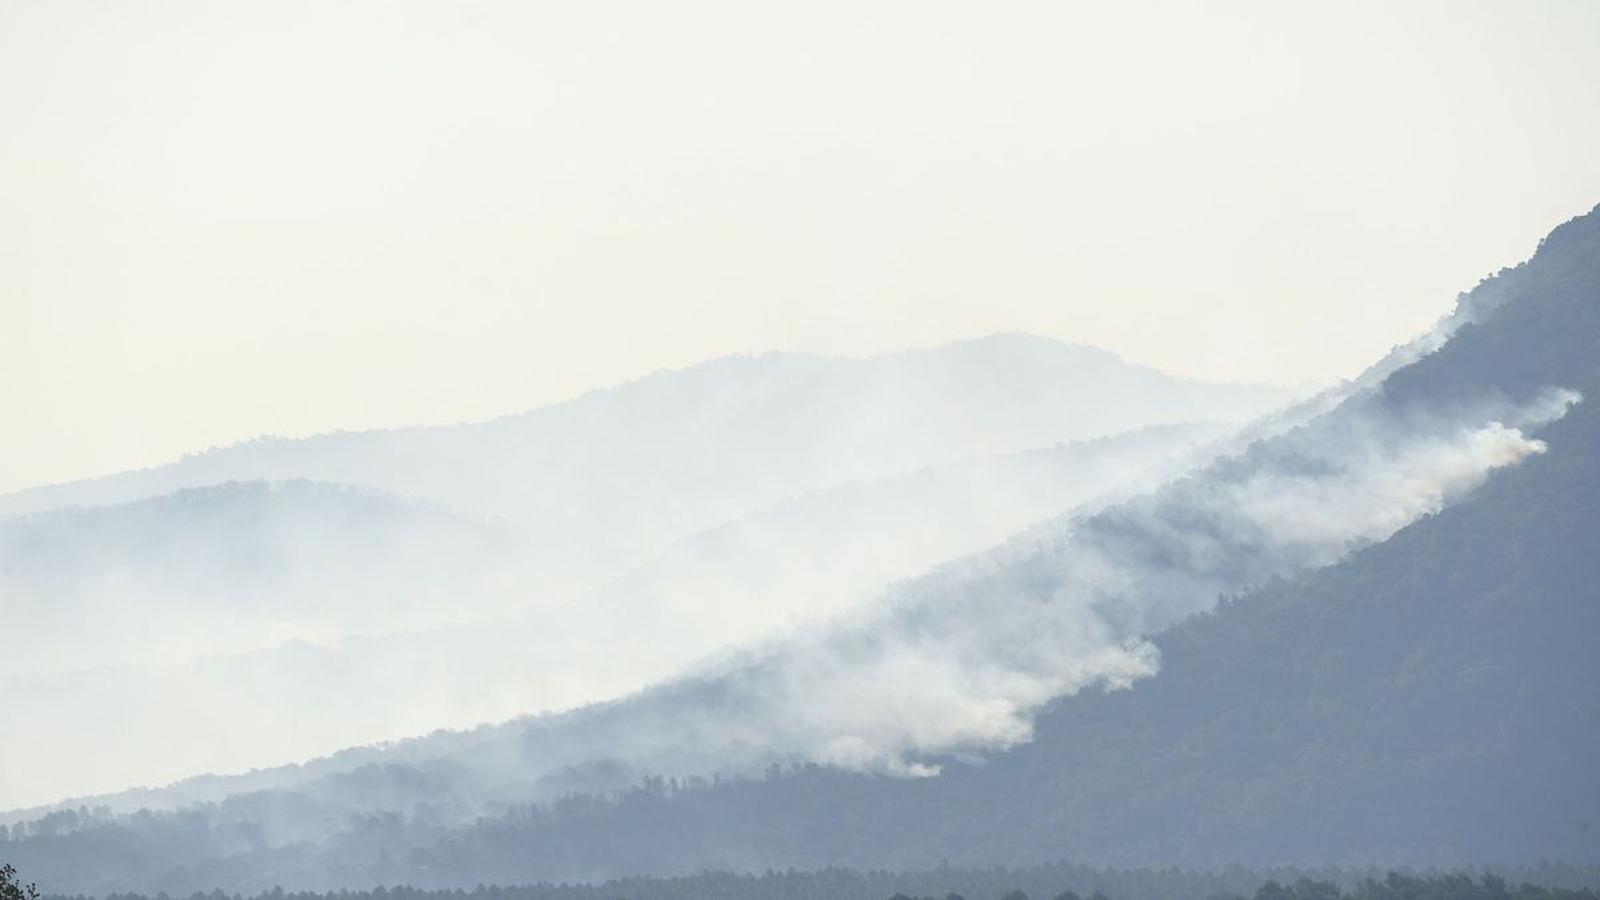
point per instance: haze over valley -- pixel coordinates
(842, 452)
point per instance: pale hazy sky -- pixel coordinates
(221, 219)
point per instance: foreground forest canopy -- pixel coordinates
(1055, 882)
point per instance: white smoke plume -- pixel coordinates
(958, 661)
(308, 618)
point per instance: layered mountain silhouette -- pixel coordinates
(1400, 669)
(614, 477)
(444, 577)
(215, 623)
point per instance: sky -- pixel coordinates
(225, 219)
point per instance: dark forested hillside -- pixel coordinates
(1433, 699)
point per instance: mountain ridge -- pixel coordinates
(13, 500)
(1014, 654)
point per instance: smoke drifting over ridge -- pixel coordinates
(952, 665)
(956, 662)
(990, 637)
(250, 625)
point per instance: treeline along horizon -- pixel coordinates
(1062, 881)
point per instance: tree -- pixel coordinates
(12, 889)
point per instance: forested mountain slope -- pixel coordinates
(1385, 593)
(1432, 698)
